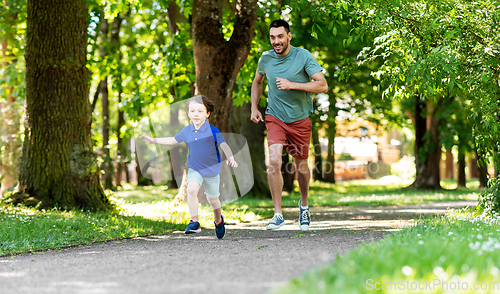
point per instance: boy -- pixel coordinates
(203, 160)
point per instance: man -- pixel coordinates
(289, 71)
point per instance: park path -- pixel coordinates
(248, 259)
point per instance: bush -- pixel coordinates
(489, 199)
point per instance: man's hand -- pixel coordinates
(146, 138)
(231, 162)
(256, 116)
(283, 84)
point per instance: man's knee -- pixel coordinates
(302, 165)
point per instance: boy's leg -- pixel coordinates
(215, 203)
(212, 192)
(192, 197)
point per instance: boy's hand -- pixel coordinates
(231, 162)
(146, 138)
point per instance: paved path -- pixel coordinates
(248, 260)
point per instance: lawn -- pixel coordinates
(455, 253)
(151, 210)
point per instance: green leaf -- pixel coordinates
(319, 28)
(334, 31)
(330, 25)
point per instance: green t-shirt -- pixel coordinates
(297, 66)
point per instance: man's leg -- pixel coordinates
(274, 176)
(303, 177)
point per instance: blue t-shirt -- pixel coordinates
(203, 156)
(297, 66)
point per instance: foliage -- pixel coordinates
(12, 87)
(489, 199)
(474, 259)
(438, 48)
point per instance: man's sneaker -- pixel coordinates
(193, 227)
(304, 218)
(220, 230)
(276, 222)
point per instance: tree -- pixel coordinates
(218, 59)
(437, 49)
(58, 167)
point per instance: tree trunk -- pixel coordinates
(427, 148)
(473, 170)
(241, 124)
(218, 61)
(462, 147)
(141, 179)
(288, 172)
(449, 165)
(331, 132)
(107, 164)
(462, 181)
(482, 170)
(117, 83)
(174, 154)
(318, 160)
(58, 167)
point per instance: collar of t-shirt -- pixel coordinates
(202, 128)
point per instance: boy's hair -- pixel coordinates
(209, 105)
(280, 23)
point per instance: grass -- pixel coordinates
(25, 230)
(151, 210)
(362, 192)
(456, 253)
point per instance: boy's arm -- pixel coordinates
(160, 141)
(229, 154)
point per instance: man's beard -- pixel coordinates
(284, 47)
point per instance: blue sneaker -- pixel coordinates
(276, 222)
(193, 227)
(304, 218)
(220, 230)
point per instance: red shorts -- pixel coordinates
(296, 136)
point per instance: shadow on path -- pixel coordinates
(248, 259)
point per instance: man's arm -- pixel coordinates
(317, 85)
(256, 116)
(160, 141)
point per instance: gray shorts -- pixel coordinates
(211, 183)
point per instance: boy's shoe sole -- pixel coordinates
(193, 231)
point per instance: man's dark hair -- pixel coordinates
(280, 23)
(209, 105)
